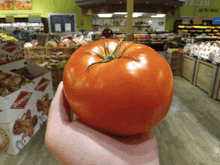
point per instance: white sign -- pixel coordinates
(57, 27)
(68, 27)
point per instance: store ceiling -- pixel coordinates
(147, 6)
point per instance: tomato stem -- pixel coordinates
(109, 57)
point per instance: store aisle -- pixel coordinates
(189, 135)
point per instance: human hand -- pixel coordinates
(77, 143)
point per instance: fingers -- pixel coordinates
(59, 113)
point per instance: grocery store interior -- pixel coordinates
(38, 38)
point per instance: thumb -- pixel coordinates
(59, 112)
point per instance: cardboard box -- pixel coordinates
(42, 39)
(15, 103)
(42, 104)
(16, 134)
(11, 51)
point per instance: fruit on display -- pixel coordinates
(5, 37)
(88, 39)
(118, 87)
(181, 26)
(208, 30)
(122, 35)
(63, 63)
(51, 44)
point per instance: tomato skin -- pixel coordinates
(123, 96)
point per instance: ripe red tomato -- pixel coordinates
(121, 96)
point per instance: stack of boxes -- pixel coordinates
(142, 37)
(174, 59)
(23, 111)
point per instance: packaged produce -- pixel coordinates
(187, 48)
(205, 52)
(200, 49)
(208, 30)
(215, 53)
(193, 47)
(11, 83)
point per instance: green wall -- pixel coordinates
(205, 8)
(170, 19)
(54, 6)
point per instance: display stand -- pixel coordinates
(205, 76)
(174, 59)
(188, 67)
(23, 111)
(216, 92)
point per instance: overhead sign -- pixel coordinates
(34, 18)
(197, 21)
(10, 18)
(216, 21)
(186, 20)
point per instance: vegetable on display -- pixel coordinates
(5, 37)
(118, 87)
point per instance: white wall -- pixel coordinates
(154, 24)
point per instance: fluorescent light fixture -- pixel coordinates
(125, 13)
(159, 15)
(105, 15)
(162, 15)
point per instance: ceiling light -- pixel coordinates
(159, 15)
(150, 21)
(126, 13)
(162, 15)
(105, 15)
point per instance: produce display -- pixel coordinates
(204, 51)
(119, 87)
(201, 31)
(10, 83)
(52, 42)
(5, 37)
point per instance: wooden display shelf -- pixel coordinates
(50, 51)
(36, 51)
(216, 92)
(205, 76)
(174, 59)
(188, 67)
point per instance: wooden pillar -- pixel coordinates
(130, 8)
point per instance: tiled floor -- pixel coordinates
(189, 135)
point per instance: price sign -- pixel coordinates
(10, 18)
(197, 21)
